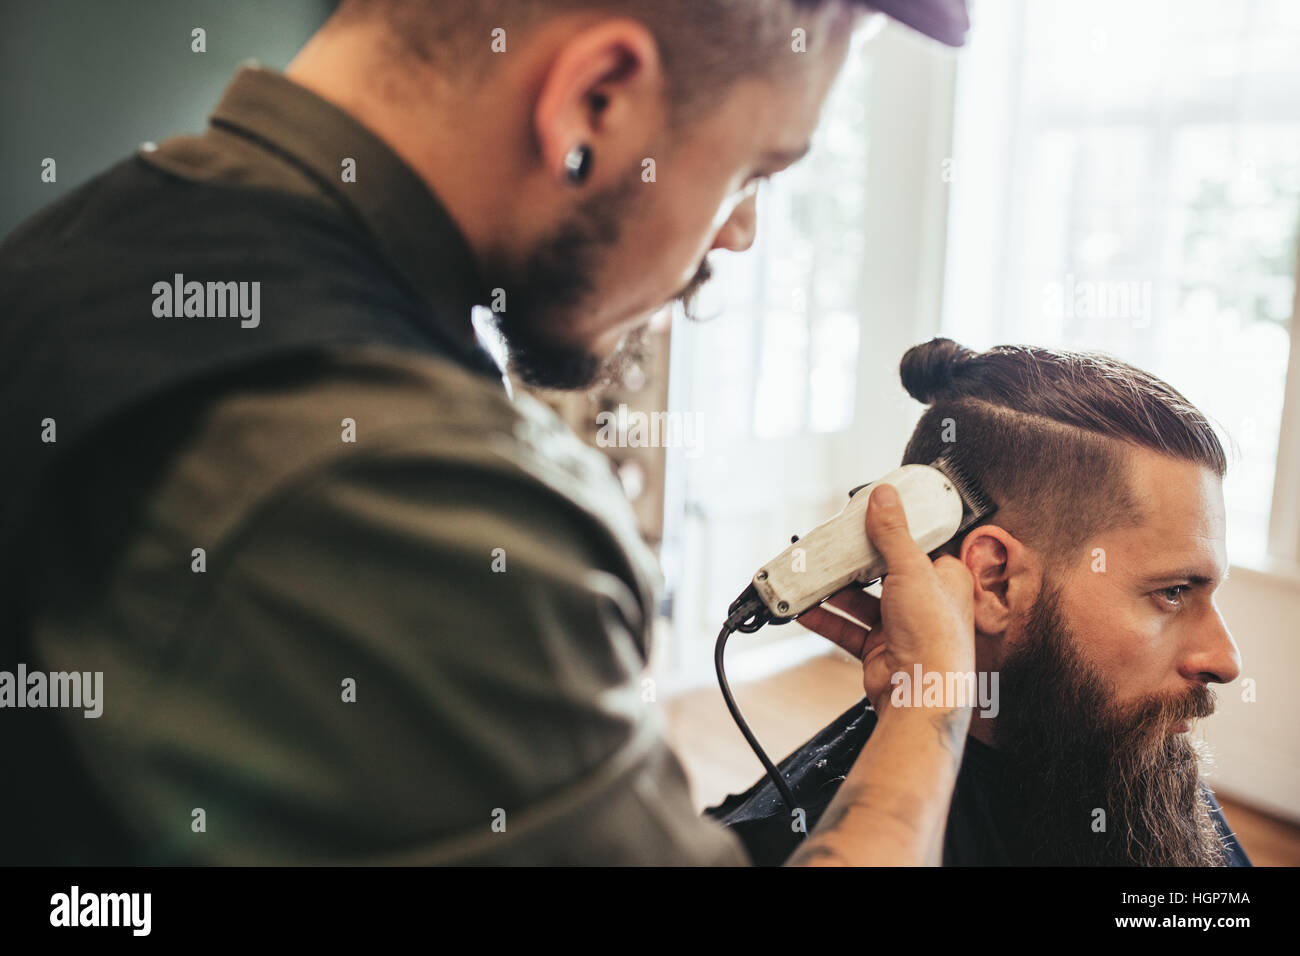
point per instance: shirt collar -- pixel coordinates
(393, 205)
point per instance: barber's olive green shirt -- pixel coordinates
(422, 646)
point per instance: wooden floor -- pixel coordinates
(785, 710)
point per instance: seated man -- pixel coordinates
(1094, 607)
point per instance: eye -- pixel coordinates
(1173, 596)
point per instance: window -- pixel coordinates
(771, 375)
(1127, 178)
(793, 296)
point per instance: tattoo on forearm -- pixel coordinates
(839, 809)
(815, 851)
(951, 729)
(814, 848)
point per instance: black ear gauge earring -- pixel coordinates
(577, 164)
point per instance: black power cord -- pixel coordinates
(747, 614)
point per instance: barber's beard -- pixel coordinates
(1071, 752)
(554, 283)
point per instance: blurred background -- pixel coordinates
(1122, 176)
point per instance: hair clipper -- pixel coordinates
(940, 502)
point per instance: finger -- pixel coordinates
(954, 576)
(887, 529)
(845, 634)
(857, 602)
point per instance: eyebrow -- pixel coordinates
(1185, 574)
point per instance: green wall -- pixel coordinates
(87, 81)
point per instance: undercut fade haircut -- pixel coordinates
(706, 45)
(1048, 434)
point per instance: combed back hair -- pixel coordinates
(706, 45)
(1049, 434)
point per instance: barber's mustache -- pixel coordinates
(702, 275)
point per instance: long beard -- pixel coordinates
(1091, 783)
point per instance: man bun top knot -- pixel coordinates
(927, 369)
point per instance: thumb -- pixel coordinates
(887, 529)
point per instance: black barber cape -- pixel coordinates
(979, 831)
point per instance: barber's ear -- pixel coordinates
(604, 92)
(994, 558)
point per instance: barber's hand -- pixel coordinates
(925, 614)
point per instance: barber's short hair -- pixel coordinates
(1048, 432)
(706, 45)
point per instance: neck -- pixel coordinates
(410, 110)
(981, 729)
(987, 648)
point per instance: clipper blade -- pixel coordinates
(976, 505)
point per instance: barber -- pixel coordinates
(352, 600)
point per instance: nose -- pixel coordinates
(737, 233)
(1214, 656)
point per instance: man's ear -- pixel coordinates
(604, 91)
(998, 562)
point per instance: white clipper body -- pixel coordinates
(837, 552)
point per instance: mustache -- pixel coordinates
(1160, 712)
(689, 292)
